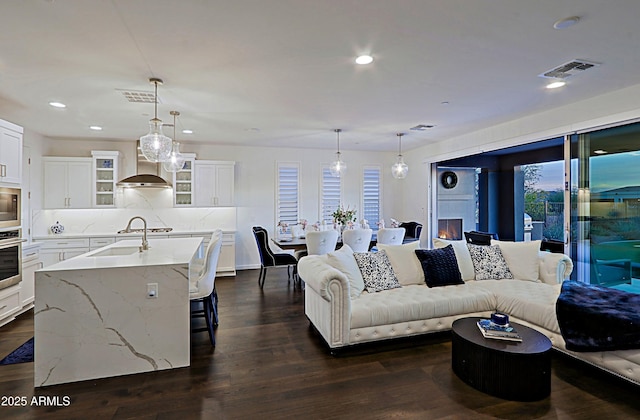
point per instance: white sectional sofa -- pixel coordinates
(345, 315)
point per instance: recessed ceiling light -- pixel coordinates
(364, 59)
(600, 152)
(187, 131)
(556, 84)
(57, 104)
(566, 22)
(95, 128)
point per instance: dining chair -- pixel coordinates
(322, 242)
(202, 290)
(390, 236)
(413, 230)
(358, 239)
(268, 258)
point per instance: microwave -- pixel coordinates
(9, 207)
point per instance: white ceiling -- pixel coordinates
(282, 73)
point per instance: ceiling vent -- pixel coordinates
(569, 69)
(139, 96)
(422, 127)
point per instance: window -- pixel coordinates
(330, 199)
(287, 202)
(371, 195)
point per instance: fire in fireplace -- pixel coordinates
(450, 229)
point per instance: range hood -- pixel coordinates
(147, 174)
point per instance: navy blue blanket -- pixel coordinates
(594, 318)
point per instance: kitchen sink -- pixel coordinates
(123, 250)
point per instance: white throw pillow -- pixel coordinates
(465, 264)
(343, 260)
(405, 263)
(521, 257)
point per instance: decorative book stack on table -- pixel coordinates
(492, 330)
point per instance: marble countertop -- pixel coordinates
(125, 235)
(160, 252)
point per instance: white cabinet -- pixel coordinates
(30, 263)
(95, 243)
(105, 175)
(9, 303)
(214, 183)
(10, 153)
(19, 298)
(227, 258)
(67, 182)
(56, 250)
(183, 182)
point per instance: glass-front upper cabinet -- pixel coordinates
(105, 176)
(183, 183)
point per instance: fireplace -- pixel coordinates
(450, 229)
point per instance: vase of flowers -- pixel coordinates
(344, 216)
(283, 227)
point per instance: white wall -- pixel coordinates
(255, 180)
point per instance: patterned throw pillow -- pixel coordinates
(488, 262)
(376, 270)
(440, 266)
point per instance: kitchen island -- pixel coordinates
(114, 311)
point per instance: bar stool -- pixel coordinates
(202, 288)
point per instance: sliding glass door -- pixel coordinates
(605, 173)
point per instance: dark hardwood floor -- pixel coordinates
(268, 363)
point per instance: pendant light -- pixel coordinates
(338, 167)
(399, 169)
(176, 160)
(155, 146)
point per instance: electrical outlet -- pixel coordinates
(152, 290)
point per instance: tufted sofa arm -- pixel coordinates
(327, 300)
(554, 268)
(317, 274)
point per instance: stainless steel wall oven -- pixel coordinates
(10, 257)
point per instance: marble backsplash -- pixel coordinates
(101, 221)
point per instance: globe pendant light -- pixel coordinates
(176, 160)
(338, 167)
(399, 169)
(155, 146)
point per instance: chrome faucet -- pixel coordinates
(145, 244)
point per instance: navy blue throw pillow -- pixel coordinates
(440, 266)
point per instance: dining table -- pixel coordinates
(300, 243)
(297, 244)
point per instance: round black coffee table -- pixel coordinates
(519, 371)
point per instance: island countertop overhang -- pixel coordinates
(161, 252)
